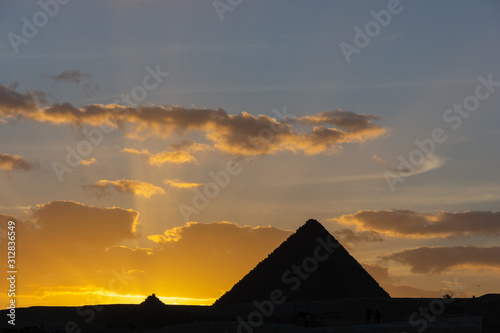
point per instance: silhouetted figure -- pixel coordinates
(377, 316)
(368, 315)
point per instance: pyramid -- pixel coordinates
(152, 301)
(310, 265)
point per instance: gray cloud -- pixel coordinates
(73, 76)
(434, 260)
(404, 223)
(349, 235)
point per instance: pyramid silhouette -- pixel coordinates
(310, 265)
(152, 301)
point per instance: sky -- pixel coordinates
(167, 147)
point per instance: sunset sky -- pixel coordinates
(167, 147)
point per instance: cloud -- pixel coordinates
(14, 162)
(180, 184)
(103, 187)
(70, 241)
(176, 157)
(351, 121)
(407, 223)
(206, 259)
(16, 105)
(349, 235)
(189, 146)
(73, 76)
(240, 134)
(76, 77)
(390, 284)
(434, 260)
(135, 151)
(430, 162)
(70, 221)
(89, 161)
(82, 247)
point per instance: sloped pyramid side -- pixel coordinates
(340, 275)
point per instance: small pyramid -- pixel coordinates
(310, 265)
(152, 301)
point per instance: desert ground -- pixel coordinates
(463, 315)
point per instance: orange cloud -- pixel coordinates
(14, 162)
(135, 151)
(180, 184)
(176, 157)
(89, 162)
(205, 259)
(103, 187)
(406, 223)
(242, 134)
(70, 241)
(81, 258)
(434, 260)
(75, 222)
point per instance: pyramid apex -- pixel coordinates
(312, 226)
(312, 222)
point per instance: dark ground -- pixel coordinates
(339, 315)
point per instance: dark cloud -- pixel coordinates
(391, 285)
(70, 221)
(73, 76)
(403, 223)
(189, 146)
(353, 122)
(433, 260)
(349, 235)
(76, 77)
(14, 162)
(13, 103)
